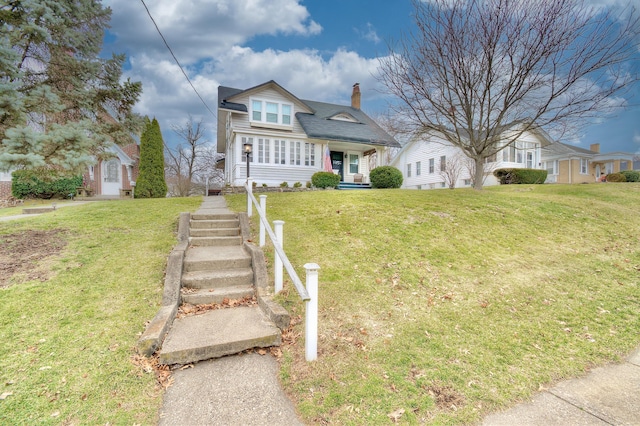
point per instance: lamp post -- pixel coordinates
(247, 150)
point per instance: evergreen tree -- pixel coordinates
(151, 183)
(60, 104)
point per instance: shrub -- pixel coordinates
(520, 176)
(325, 180)
(264, 185)
(631, 175)
(308, 185)
(616, 177)
(151, 183)
(43, 183)
(385, 177)
(297, 185)
(284, 185)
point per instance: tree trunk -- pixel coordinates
(478, 181)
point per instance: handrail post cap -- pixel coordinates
(311, 266)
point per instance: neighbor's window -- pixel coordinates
(443, 163)
(432, 165)
(353, 163)
(271, 112)
(467, 182)
(409, 170)
(418, 168)
(584, 166)
(624, 165)
(552, 167)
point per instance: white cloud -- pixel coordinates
(197, 29)
(368, 32)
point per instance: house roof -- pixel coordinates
(316, 117)
(320, 125)
(559, 149)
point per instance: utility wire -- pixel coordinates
(176, 59)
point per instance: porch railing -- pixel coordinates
(308, 293)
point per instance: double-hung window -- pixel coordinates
(432, 165)
(280, 149)
(409, 170)
(584, 166)
(353, 163)
(418, 168)
(263, 151)
(294, 155)
(309, 154)
(271, 112)
(443, 163)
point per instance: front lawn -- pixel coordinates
(441, 306)
(76, 288)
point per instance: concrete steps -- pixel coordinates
(218, 333)
(217, 267)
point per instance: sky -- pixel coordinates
(316, 49)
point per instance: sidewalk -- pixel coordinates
(608, 395)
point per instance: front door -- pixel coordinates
(337, 163)
(111, 177)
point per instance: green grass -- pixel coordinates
(67, 342)
(452, 304)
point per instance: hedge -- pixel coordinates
(520, 176)
(385, 177)
(631, 175)
(325, 180)
(616, 177)
(43, 183)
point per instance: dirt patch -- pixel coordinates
(445, 396)
(22, 255)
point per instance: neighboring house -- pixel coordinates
(293, 138)
(436, 163)
(571, 164)
(115, 175)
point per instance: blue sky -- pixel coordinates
(316, 49)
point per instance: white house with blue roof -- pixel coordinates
(291, 139)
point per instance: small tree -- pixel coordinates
(151, 183)
(453, 167)
(182, 161)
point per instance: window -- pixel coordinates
(624, 165)
(309, 154)
(584, 166)
(518, 156)
(418, 168)
(443, 185)
(431, 165)
(294, 154)
(280, 152)
(409, 170)
(467, 182)
(552, 167)
(112, 174)
(443, 163)
(271, 112)
(529, 160)
(353, 163)
(263, 150)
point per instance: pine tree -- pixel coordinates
(60, 103)
(151, 182)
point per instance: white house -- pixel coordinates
(435, 163)
(291, 139)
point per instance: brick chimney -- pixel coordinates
(355, 96)
(595, 147)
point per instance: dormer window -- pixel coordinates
(343, 116)
(269, 112)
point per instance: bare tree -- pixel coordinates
(453, 167)
(470, 165)
(483, 72)
(181, 161)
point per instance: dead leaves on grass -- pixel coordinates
(187, 309)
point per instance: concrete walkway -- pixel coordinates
(234, 390)
(59, 205)
(608, 395)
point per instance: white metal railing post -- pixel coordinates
(249, 191)
(311, 313)
(278, 270)
(263, 205)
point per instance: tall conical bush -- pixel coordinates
(151, 183)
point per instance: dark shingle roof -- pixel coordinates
(227, 92)
(320, 125)
(559, 148)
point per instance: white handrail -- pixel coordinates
(302, 291)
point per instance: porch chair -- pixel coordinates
(357, 178)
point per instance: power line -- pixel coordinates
(176, 59)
